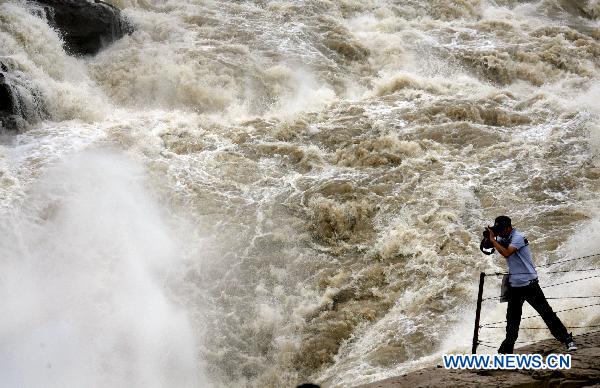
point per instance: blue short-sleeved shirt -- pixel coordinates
(520, 263)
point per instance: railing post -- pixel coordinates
(478, 313)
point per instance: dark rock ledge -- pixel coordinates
(584, 372)
(20, 100)
(86, 26)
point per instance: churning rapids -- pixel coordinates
(262, 193)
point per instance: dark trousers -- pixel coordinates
(533, 294)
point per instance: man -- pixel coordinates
(524, 286)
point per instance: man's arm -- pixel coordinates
(504, 251)
(501, 250)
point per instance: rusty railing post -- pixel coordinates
(478, 313)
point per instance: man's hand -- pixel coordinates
(504, 251)
(491, 234)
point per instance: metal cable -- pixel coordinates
(551, 264)
(555, 284)
(570, 281)
(554, 298)
(517, 342)
(535, 316)
(487, 346)
(588, 333)
(551, 272)
(539, 328)
(565, 261)
(490, 325)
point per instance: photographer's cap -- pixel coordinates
(501, 223)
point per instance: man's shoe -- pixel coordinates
(570, 344)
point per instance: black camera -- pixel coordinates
(486, 245)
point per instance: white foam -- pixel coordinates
(83, 283)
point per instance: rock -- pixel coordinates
(7, 106)
(20, 101)
(85, 25)
(584, 372)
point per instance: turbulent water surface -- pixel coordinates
(262, 193)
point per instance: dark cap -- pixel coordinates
(501, 223)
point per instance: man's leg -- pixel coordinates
(513, 319)
(535, 297)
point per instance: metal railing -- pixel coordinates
(495, 325)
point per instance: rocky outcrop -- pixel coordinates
(584, 372)
(85, 25)
(7, 105)
(20, 102)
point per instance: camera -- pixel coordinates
(486, 245)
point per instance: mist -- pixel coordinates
(84, 269)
